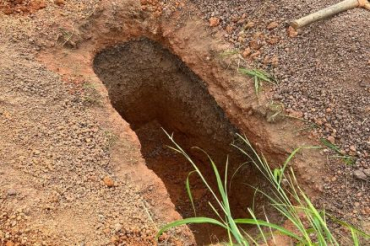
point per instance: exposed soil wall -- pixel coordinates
(153, 89)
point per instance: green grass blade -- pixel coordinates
(188, 158)
(280, 229)
(287, 161)
(331, 146)
(225, 201)
(194, 220)
(188, 190)
(280, 198)
(236, 171)
(256, 85)
(221, 188)
(258, 225)
(225, 175)
(262, 75)
(356, 242)
(217, 213)
(351, 227)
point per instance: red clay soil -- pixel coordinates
(21, 6)
(71, 167)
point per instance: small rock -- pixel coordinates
(114, 239)
(250, 24)
(255, 54)
(255, 45)
(241, 39)
(258, 35)
(272, 25)
(275, 61)
(214, 21)
(229, 29)
(106, 231)
(331, 139)
(273, 40)
(59, 2)
(367, 172)
(292, 32)
(296, 114)
(12, 192)
(117, 227)
(266, 60)
(246, 52)
(108, 181)
(352, 148)
(360, 175)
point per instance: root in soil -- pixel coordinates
(153, 89)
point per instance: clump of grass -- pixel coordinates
(348, 160)
(309, 224)
(259, 76)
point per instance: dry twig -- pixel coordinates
(330, 11)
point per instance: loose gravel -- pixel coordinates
(324, 79)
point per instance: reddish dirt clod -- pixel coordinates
(292, 33)
(108, 181)
(246, 52)
(214, 21)
(272, 25)
(59, 2)
(21, 7)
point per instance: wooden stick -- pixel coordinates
(330, 11)
(364, 4)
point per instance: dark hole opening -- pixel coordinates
(152, 89)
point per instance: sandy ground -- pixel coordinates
(54, 157)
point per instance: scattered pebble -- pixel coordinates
(108, 181)
(367, 172)
(360, 175)
(246, 52)
(213, 21)
(292, 33)
(272, 25)
(59, 2)
(12, 192)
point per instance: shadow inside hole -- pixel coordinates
(152, 89)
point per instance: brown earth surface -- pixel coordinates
(83, 95)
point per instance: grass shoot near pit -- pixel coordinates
(259, 76)
(308, 225)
